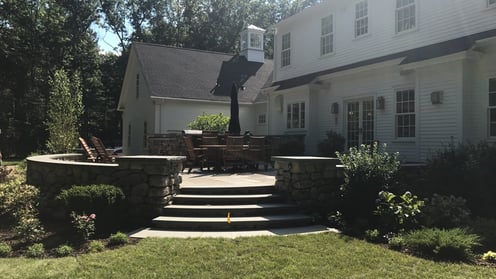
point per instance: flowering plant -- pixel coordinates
(84, 224)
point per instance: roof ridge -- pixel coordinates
(184, 48)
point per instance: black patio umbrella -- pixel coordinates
(234, 126)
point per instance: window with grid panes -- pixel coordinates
(405, 113)
(286, 50)
(295, 116)
(361, 18)
(405, 15)
(326, 35)
(492, 107)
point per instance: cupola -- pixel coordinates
(252, 43)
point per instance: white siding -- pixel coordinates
(437, 21)
(177, 114)
(137, 110)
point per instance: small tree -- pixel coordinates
(210, 122)
(64, 111)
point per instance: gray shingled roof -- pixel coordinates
(200, 75)
(410, 56)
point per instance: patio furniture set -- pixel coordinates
(229, 152)
(99, 154)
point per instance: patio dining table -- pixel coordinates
(216, 152)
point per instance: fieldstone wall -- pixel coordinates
(149, 182)
(310, 182)
(166, 144)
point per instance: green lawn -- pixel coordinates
(312, 256)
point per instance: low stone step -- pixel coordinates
(236, 223)
(235, 210)
(227, 190)
(226, 199)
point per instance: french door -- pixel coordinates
(360, 122)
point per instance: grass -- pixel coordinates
(312, 256)
(12, 162)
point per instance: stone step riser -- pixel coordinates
(226, 201)
(224, 226)
(223, 212)
(228, 191)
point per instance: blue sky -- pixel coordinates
(107, 40)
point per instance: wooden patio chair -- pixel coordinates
(103, 155)
(256, 153)
(213, 156)
(233, 154)
(90, 155)
(195, 157)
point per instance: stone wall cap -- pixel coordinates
(152, 157)
(66, 159)
(303, 158)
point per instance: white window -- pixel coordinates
(286, 50)
(405, 15)
(491, 3)
(137, 85)
(405, 113)
(244, 40)
(326, 35)
(296, 115)
(256, 41)
(361, 18)
(492, 107)
(262, 118)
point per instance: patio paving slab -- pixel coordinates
(228, 179)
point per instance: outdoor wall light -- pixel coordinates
(437, 97)
(380, 102)
(335, 108)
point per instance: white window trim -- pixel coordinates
(283, 50)
(415, 4)
(395, 132)
(358, 19)
(489, 107)
(291, 128)
(326, 35)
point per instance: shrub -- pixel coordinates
(36, 250)
(367, 170)
(489, 257)
(84, 225)
(332, 144)
(453, 244)
(104, 200)
(95, 246)
(63, 251)
(374, 236)
(16, 198)
(29, 228)
(210, 122)
(466, 171)
(118, 238)
(398, 213)
(486, 229)
(446, 212)
(396, 243)
(5, 250)
(4, 172)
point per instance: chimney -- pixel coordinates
(252, 43)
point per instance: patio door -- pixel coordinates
(360, 122)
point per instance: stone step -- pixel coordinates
(226, 199)
(236, 223)
(222, 210)
(227, 190)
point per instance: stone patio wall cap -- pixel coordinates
(66, 159)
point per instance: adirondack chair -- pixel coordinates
(90, 155)
(103, 156)
(195, 157)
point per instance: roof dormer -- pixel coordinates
(252, 43)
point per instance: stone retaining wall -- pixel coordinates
(310, 182)
(149, 182)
